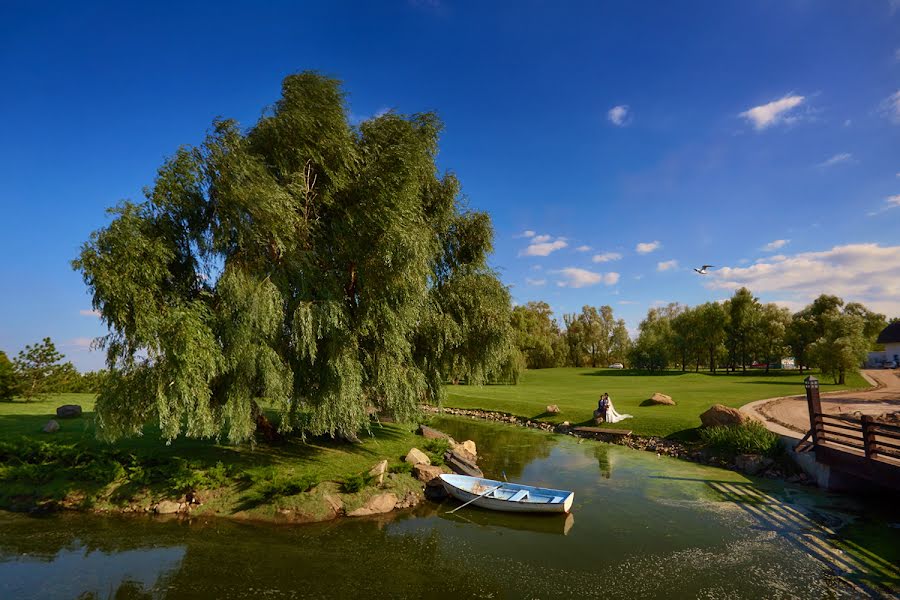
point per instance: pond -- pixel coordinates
(642, 527)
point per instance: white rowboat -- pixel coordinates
(509, 497)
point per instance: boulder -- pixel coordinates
(376, 505)
(426, 473)
(68, 411)
(461, 452)
(719, 415)
(51, 427)
(416, 457)
(469, 446)
(553, 409)
(335, 504)
(377, 472)
(408, 500)
(166, 507)
(430, 433)
(659, 399)
(751, 464)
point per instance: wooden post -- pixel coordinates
(815, 407)
(868, 434)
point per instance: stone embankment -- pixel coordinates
(750, 464)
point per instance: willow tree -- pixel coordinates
(329, 269)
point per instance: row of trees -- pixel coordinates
(829, 334)
(592, 337)
(40, 369)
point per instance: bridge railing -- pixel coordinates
(875, 439)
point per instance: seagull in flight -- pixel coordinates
(702, 270)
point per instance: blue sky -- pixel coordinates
(616, 145)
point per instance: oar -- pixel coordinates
(484, 493)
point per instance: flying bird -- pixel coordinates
(702, 270)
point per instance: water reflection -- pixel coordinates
(649, 527)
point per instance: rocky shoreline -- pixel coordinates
(749, 464)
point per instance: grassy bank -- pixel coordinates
(72, 469)
(576, 392)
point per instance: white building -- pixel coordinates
(890, 337)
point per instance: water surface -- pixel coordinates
(642, 527)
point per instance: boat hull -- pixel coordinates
(508, 497)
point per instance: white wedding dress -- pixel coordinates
(613, 417)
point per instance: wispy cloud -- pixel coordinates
(889, 203)
(606, 257)
(667, 265)
(86, 312)
(620, 115)
(574, 277)
(543, 245)
(843, 157)
(890, 107)
(775, 245)
(535, 282)
(584, 248)
(627, 302)
(80, 343)
(647, 247)
(528, 233)
(772, 113)
(868, 273)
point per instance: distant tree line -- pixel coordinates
(591, 338)
(740, 332)
(40, 369)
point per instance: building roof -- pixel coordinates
(890, 334)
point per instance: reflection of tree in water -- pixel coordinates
(601, 452)
(500, 447)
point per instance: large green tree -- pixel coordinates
(39, 369)
(327, 268)
(9, 379)
(842, 346)
(537, 334)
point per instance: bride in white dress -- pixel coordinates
(612, 416)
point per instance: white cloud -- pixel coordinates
(526, 234)
(606, 257)
(541, 245)
(667, 265)
(82, 343)
(584, 248)
(889, 203)
(867, 273)
(627, 302)
(843, 157)
(574, 277)
(619, 115)
(772, 246)
(772, 113)
(890, 107)
(89, 313)
(647, 247)
(536, 282)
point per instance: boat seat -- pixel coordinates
(556, 500)
(519, 496)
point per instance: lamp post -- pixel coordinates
(815, 406)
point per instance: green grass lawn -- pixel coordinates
(251, 470)
(576, 392)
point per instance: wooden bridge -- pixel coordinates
(863, 448)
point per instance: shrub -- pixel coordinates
(749, 438)
(353, 483)
(269, 485)
(401, 467)
(435, 449)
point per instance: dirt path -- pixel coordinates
(793, 413)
